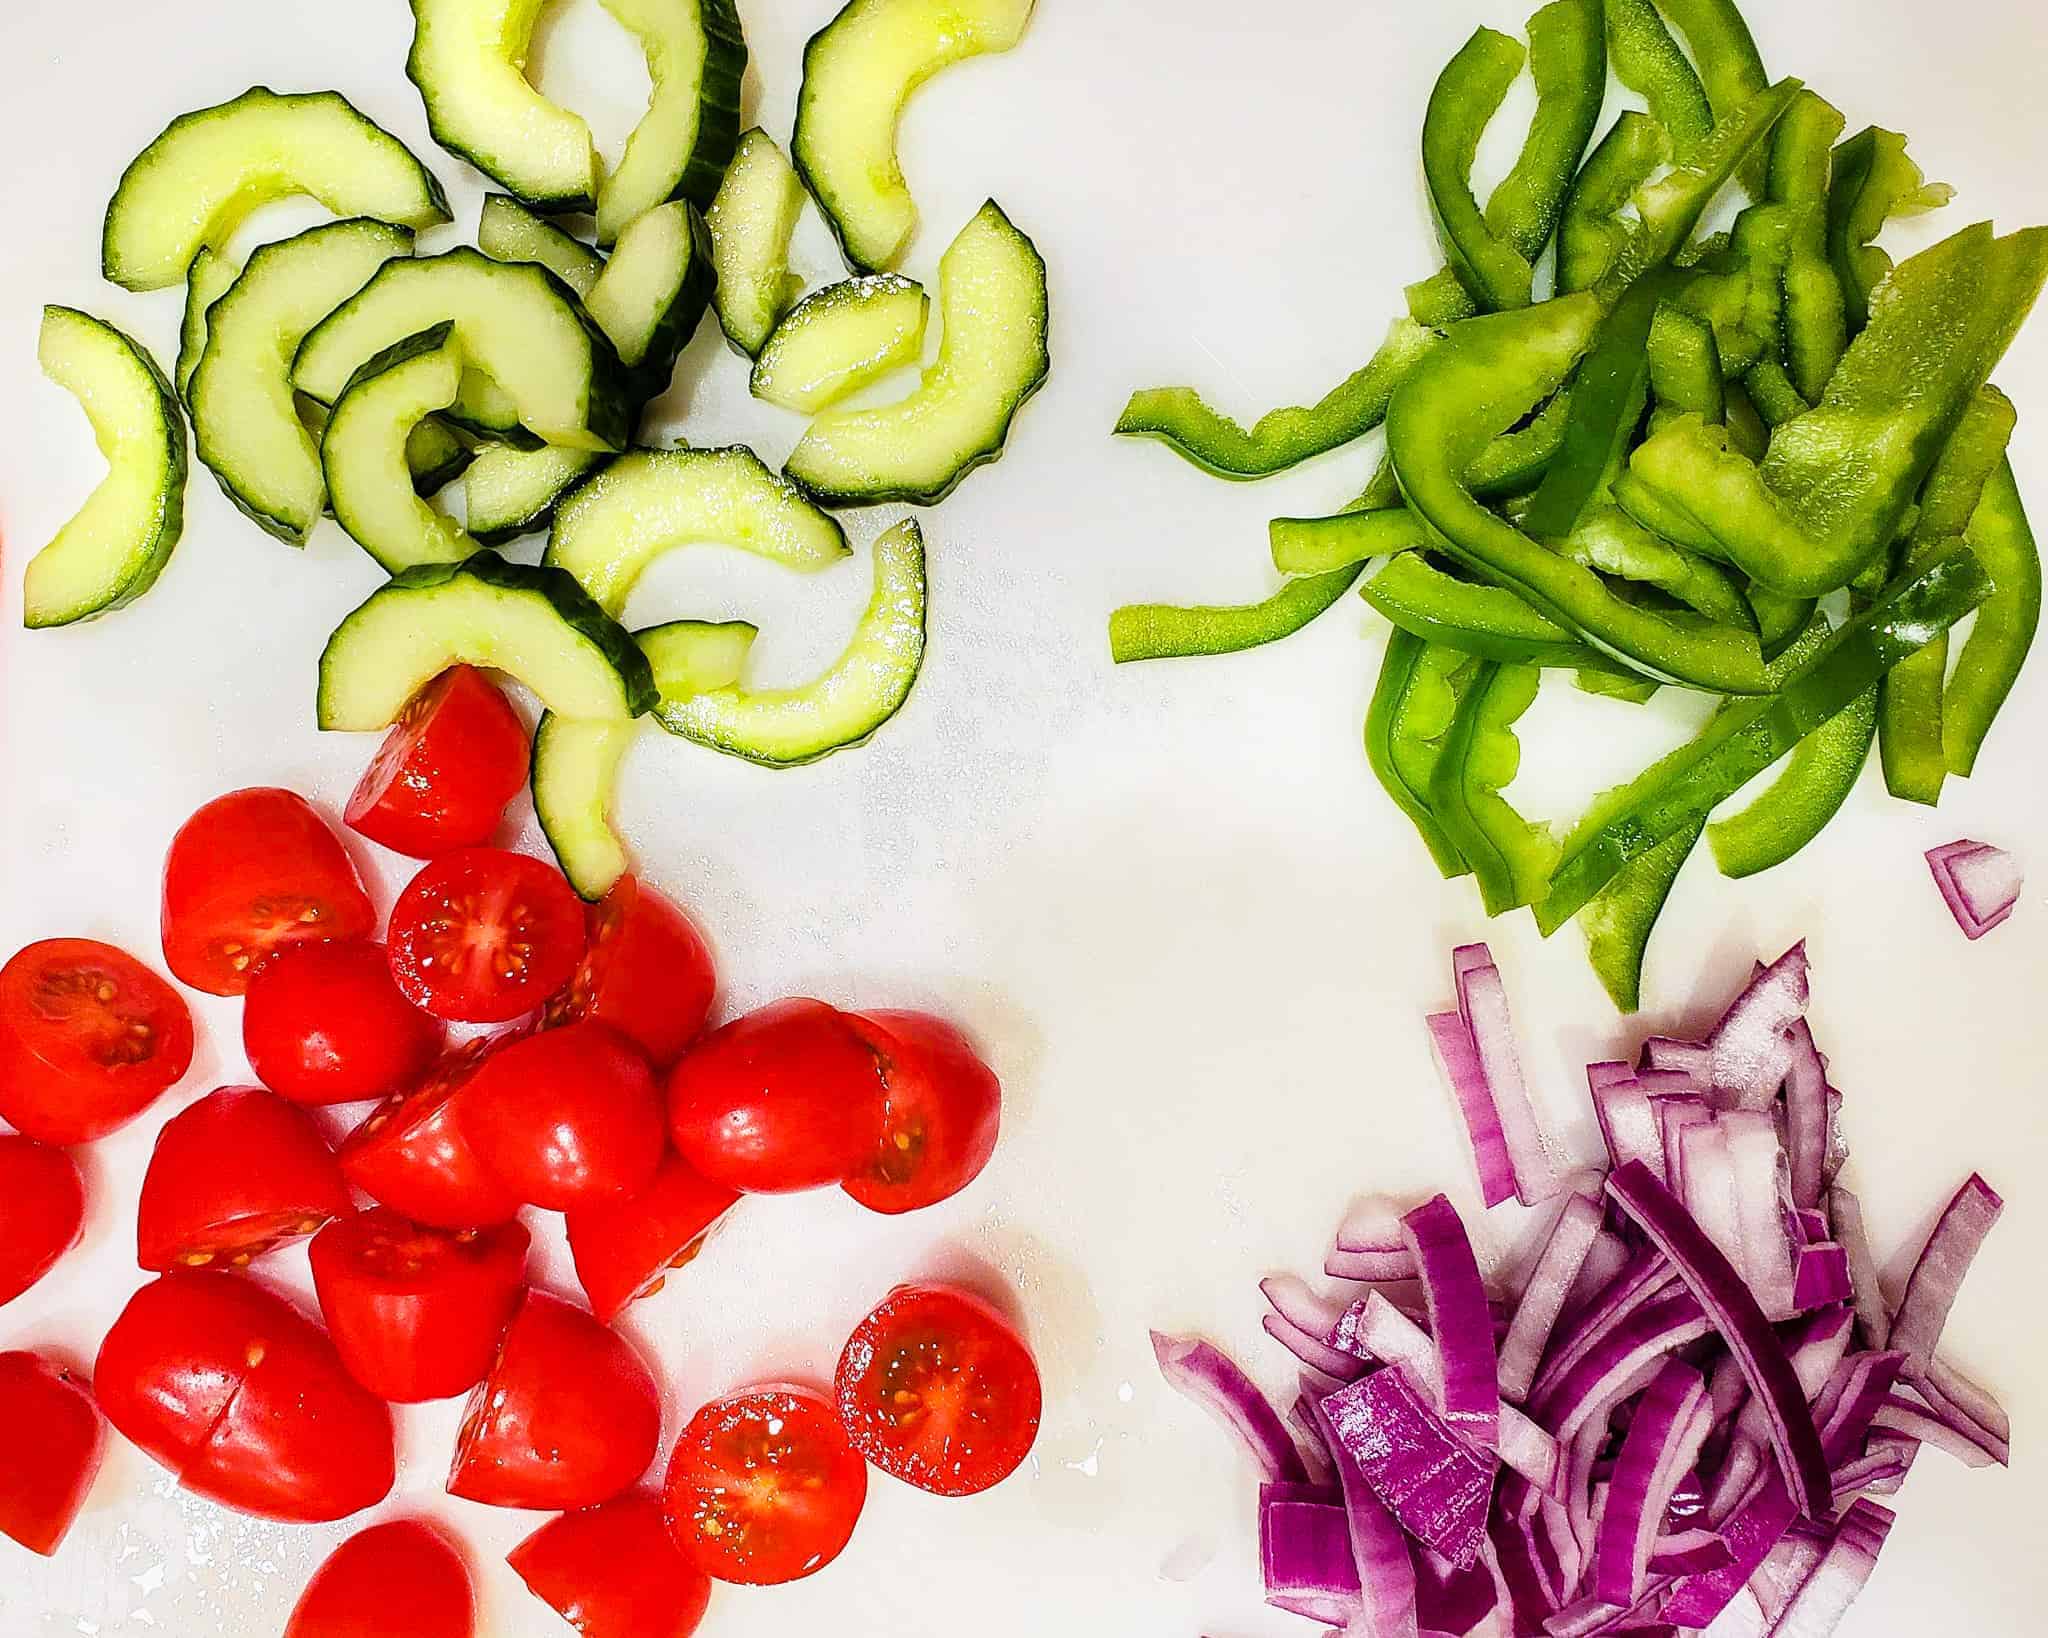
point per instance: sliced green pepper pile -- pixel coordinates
(1767, 464)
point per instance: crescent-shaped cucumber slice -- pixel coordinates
(752, 220)
(509, 232)
(683, 143)
(210, 277)
(839, 339)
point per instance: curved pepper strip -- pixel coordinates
(1649, 62)
(1591, 234)
(1685, 366)
(1997, 645)
(1609, 540)
(1462, 104)
(1568, 62)
(1629, 690)
(1816, 328)
(1412, 709)
(1872, 182)
(1619, 921)
(1510, 857)
(1731, 68)
(1490, 621)
(1165, 631)
(1440, 299)
(1779, 619)
(1323, 545)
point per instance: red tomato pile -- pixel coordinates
(601, 1098)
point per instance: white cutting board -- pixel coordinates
(1192, 934)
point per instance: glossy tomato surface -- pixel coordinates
(764, 1487)
(614, 1571)
(942, 1111)
(51, 1450)
(396, 1580)
(415, 1312)
(785, 1098)
(42, 1211)
(568, 1117)
(938, 1390)
(568, 1416)
(89, 1038)
(625, 1249)
(248, 873)
(647, 972)
(411, 1153)
(483, 936)
(457, 754)
(324, 1023)
(237, 1174)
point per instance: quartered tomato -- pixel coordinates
(942, 1110)
(482, 935)
(235, 1175)
(937, 1390)
(614, 1572)
(51, 1452)
(249, 873)
(397, 1580)
(411, 1154)
(457, 754)
(647, 972)
(416, 1313)
(324, 1023)
(625, 1249)
(89, 1038)
(42, 1211)
(764, 1487)
(567, 1417)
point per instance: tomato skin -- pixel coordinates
(483, 936)
(75, 1065)
(42, 1211)
(457, 754)
(569, 1117)
(235, 1175)
(943, 1110)
(938, 1390)
(567, 1417)
(646, 971)
(416, 1313)
(410, 1153)
(783, 1099)
(624, 1249)
(613, 1571)
(51, 1455)
(249, 873)
(396, 1580)
(324, 1023)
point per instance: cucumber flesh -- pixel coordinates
(363, 452)
(509, 232)
(683, 143)
(510, 492)
(436, 457)
(864, 688)
(195, 183)
(839, 339)
(752, 221)
(211, 276)
(653, 292)
(992, 357)
(115, 546)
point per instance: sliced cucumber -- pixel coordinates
(509, 232)
(113, 549)
(752, 220)
(544, 365)
(683, 143)
(654, 292)
(576, 764)
(510, 492)
(245, 420)
(535, 624)
(837, 340)
(859, 71)
(192, 186)
(650, 502)
(437, 456)
(211, 276)
(865, 687)
(992, 356)
(363, 452)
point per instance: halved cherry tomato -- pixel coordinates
(324, 1023)
(244, 1400)
(416, 1313)
(236, 1175)
(937, 1390)
(567, 1417)
(397, 1580)
(482, 935)
(51, 1452)
(89, 1038)
(411, 1153)
(42, 1211)
(647, 972)
(249, 873)
(785, 1098)
(613, 1571)
(944, 1107)
(457, 754)
(625, 1249)
(764, 1487)
(569, 1117)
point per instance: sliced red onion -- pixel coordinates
(1944, 1261)
(1689, 1552)
(1378, 1549)
(1315, 1455)
(1689, 1058)
(1450, 1600)
(1816, 1610)
(1823, 1276)
(1748, 1052)
(1671, 1422)
(1677, 1116)
(1786, 1567)
(1627, 1357)
(1459, 1319)
(1603, 1266)
(1305, 1557)
(1428, 1478)
(1458, 1053)
(1756, 1163)
(1845, 1217)
(1807, 1116)
(1627, 1120)
(1971, 1447)
(1959, 1401)
(1646, 1275)
(1811, 1226)
(1706, 1175)
(1312, 1351)
(1880, 1471)
(1543, 1298)
(1210, 1378)
(1483, 1004)
(1516, 1557)
(1751, 1531)
(1859, 1393)
(1979, 883)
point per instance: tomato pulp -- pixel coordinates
(441, 779)
(482, 936)
(942, 1111)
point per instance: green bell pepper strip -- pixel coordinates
(1649, 62)
(1510, 858)
(1515, 462)
(1772, 391)
(1621, 917)
(1466, 96)
(1631, 690)
(1731, 68)
(1816, 325)
(1750, 735)
(1747, 431)
(1178, 417)
(1324, 545)
(1490, 621)
(1609, 540)
(1412, 709)
(1779, 619)
(1568, 62)
(1997, 645)
(1591, 234)
(1873, 181)
(1440, 299)
(1685, 365)
(1164, 631)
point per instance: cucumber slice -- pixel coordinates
(837, 340)
(211, 276)
(113, 549)
(992, 356)
(436, 457)
(859, 71)
(654, 292)
(683, 143)
(509, 232)
(195, 183)
(650, 502)
(752, 220)
(576, 764)
(245, 420)
(548, 366)
(363, 452)
(509, 492)
(865, 687)
(535, 624)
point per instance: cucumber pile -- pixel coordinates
(352, 371)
